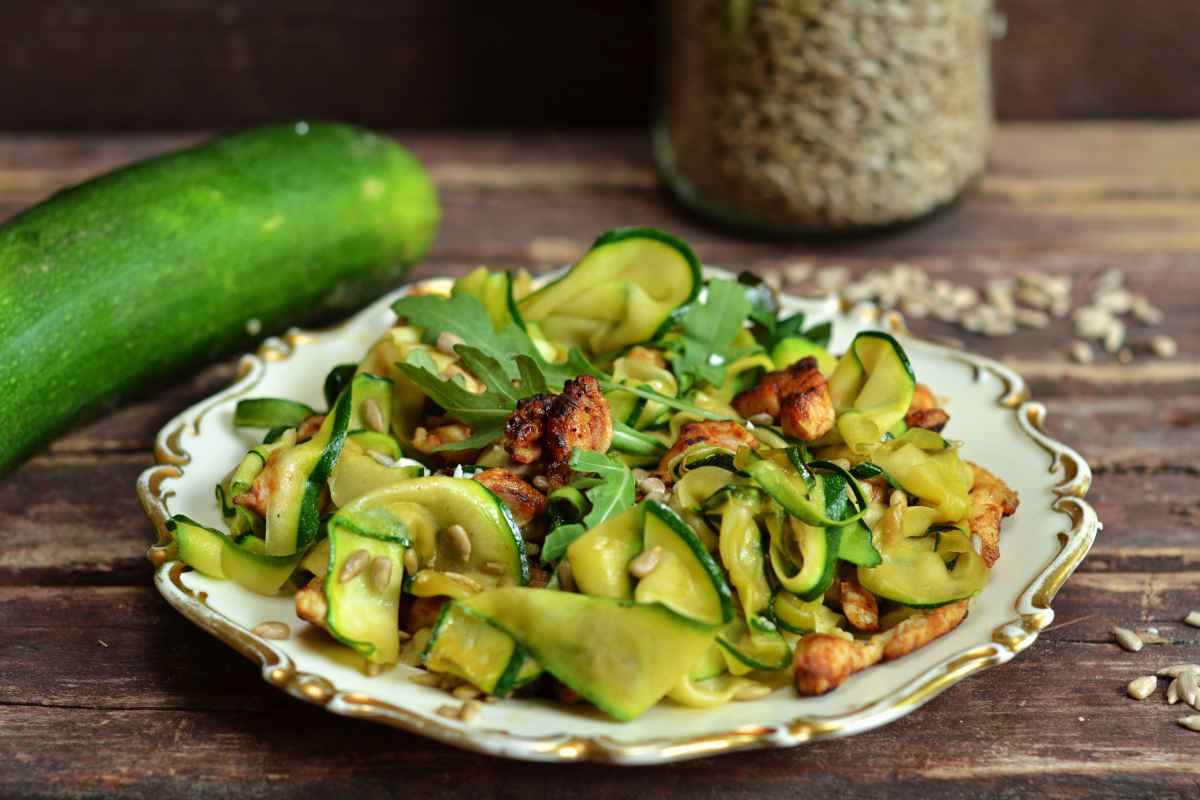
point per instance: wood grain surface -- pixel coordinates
(104, 689)
(172, 64)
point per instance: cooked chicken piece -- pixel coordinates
(423, 612)
(725, 434)
(991, 500)
(553, 426)
(525, 502)
(921, 629)
(311, 605)
(923, 411)
(859, 606)
(308, 427)
(427, 440)
(823, 661)
(577, 418)
(258, 497)
(798, 397)
(525, 428)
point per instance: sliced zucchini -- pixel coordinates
(709, 665)
(473, 649)
(624, 290)
(798, 616)
(708, 692)
(926, 466)
(742, 553)
(364, 602)
(790, 350)
(814, 548)
(371, 389)
(383, 443)
(790, 485)
(856, 546)
(927, 571)
(687, 580)
(198, 546)
(431, 505)
(600, 558)
(270, 412)
(247, 563)
(623, 658)
(748, 648)
(872, 388)
(358, 472)
(497, 292)
(293, 510)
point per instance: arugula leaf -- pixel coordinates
(819, 334)
(764, 303)
(558, 540)
(613, 494)
(707, 333)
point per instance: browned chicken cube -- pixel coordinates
(525, 502)
(797, 397)
(724, 434)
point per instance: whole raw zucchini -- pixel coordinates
(160, 266)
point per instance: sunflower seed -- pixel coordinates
(1193, 619)
(1164, 346)
(460, 541)
(1081, 351)
(762, 419)
(1173, 692)
(1143, 687)
(411, 564)
(1125, 356)
(426, 679)
(403, 635)
(382, 458)
(272, 630)
(381, 573)
(466, 692)
(1189, 692)
(797, 273)
(1127, 639)
(465, 580)
(1175, 670)
(565, 579)
(1192, 723)
(1092, 322)
(446, 342)
(492, 568)
(751, 691)
(1146, 313)
(450, 712)
(469, 710)
(1118, 301)
(1030, 318)
(353, 565)
(1114, 337)
(645, 562)
(372, 414)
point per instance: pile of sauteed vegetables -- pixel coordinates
(627, 484)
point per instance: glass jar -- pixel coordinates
(799, 117)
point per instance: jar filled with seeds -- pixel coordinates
(798, 117)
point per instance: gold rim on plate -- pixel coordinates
(1033, 609)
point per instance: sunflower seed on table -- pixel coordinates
(1127, 639)
(798, 272)
(1118, 301)
(1189, 691)
(354, 565)
(1031, 318)
(1164, 347)
(1175, 670)
(1192, 723)
(1114, 337)
(1143, 687)
(1125, 356)
(1146, 313)
(373, 415)
(1173, 692)
(1193, 619)
(1092, 322)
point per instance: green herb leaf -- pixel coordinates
(558, 540)
(707, 331)
(613, 494)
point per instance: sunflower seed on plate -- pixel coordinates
(381, 573)
(459, 540)
(1192, 723)
(753, 691)
(469, 710)
(466, 692)
(353, 565)
(382, 458)
(1143, 687)
(644, 563)
(411, 565)
(372, 414)
(1127, 639)
(446, 342)
(272, 629)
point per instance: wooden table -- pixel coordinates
(103, 688)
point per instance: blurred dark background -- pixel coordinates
(162, 64)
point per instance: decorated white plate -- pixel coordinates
(989, 407)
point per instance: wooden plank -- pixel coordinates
(135, 63)
(118, 663)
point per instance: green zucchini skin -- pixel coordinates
(140, 273)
